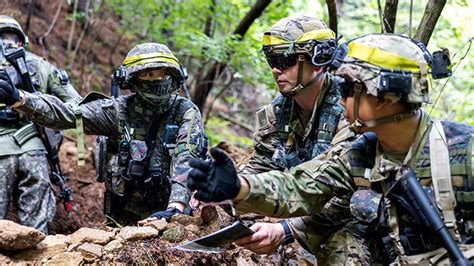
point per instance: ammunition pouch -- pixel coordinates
(22, 135)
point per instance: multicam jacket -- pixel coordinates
(281, 133)
(126, 117)
(343, 170)
(46, 78)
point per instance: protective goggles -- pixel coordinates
(346, 88)
(282, 62)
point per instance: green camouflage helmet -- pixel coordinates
(292, 35)
(372, 55)
(9, 24)
(149, 56)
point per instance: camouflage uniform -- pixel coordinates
(24, 168)
(385, 226)
(132, 196)
(287, 136)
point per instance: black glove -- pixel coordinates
(214, 181)
(165, 214)
(8, 92)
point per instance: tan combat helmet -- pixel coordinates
(389, 66)
(293, 40)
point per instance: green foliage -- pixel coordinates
(218, 130)
(181, 24)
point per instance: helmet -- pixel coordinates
(390, 66)
(150, 56)
(300, 35)
(8, 23)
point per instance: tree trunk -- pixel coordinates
(429, 20)
(332, 11)
(390, 15)
(203, 88)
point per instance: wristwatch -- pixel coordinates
(288, 236)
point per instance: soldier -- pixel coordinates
(23, 163)
(297, 126)
(387, 78)
(151, 134)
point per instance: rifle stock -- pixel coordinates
(428, 214)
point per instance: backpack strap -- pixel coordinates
(441, 177)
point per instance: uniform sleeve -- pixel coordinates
(190, 143)
(304, 190)
(99, 116)
(313, 231)
(266, 141)
(57, 83)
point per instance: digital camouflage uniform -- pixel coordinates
(287, 136)
(24, 168)
(132, 196)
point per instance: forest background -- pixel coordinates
(219, 43)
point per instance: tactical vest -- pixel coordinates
(128, 159)
(413, 238)
(325, 125)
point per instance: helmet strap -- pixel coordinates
(300, 86)
(358, 123)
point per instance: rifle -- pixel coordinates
(16, 58)
(425, 212)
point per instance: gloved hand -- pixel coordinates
(165, 214)
(214, 181)
(8, 92)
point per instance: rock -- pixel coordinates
(48, 248)
(90, 235)
(175, 234)
(112, 246)
(4, 259)
(90, 251)
(16, 237)
(186, 219)
(193, 228)
(66, 258)
(132, 233)
(159, 225)
(71, 151)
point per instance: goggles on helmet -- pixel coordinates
(346, 88)
(281, 62)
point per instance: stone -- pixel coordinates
(175, 234)
(91, 235)
(112, 246)
(193, 229)
(90, 251)
(159, 225)
(132, 233)
(66, 258)
(186, 219)
(16, 237)
(46, 249)
(4, 259)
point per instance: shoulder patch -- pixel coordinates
(265, 120)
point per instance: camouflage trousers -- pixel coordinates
(344, 248)
(25, 179)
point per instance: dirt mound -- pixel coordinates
(88, 194)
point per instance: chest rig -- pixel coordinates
(322, 132)
(141, 157)
(446, 177)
